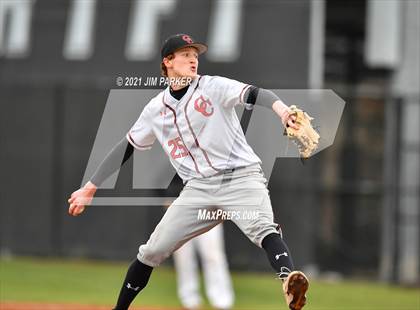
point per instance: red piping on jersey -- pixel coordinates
(131, 140)
(195, 137)
(180, 135)
(242, 92)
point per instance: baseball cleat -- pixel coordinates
(294, 288)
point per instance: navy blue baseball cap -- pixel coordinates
(178, 41)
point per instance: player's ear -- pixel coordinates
(167, 61)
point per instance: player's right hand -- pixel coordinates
(81, 198)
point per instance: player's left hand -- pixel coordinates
(306, 137)
(290, 120)
(287, 116)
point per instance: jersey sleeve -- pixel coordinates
(141, 135)
(231, 92)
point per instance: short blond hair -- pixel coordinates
(163, 69)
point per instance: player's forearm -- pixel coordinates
(90, 187)
(281, 110)
(112, 161)
(266, 98)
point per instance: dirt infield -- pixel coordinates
(42, 306)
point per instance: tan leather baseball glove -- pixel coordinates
(306, 138)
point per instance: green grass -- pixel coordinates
(93, 282)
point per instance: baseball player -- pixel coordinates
(195, 122)
(218, 285)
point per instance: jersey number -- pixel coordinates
(178, 149)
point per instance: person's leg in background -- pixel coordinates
(218, 283)
(188, 280)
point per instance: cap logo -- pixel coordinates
(187, 39)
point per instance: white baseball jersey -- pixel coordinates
(200, 133)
